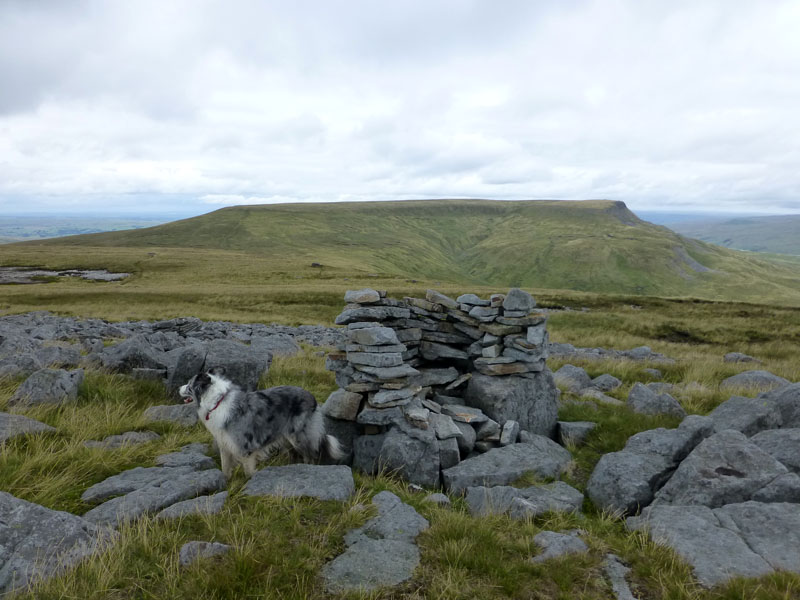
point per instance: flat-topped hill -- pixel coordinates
(595, 245)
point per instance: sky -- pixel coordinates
(174, 107)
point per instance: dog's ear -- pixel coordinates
(217, 371)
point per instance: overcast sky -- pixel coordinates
(182, 107)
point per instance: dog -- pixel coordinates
(248, 426)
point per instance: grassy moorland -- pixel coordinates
(590, 246)
(760, 234)
(281, 545)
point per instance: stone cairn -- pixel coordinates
(427, 383)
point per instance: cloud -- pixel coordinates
(200, 102)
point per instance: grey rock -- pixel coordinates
(536, 500)
(762, 380)
(37, 543)
(488, 431)
(466, 442)
(642, 399)
(464, 414)
(370, 359)
(417, 416)
(365, 296)
(509, 433)
(366, 450)
(782, 444)
(615, 571)
(345, 432)
(483, 313)
(555, 545)
(374, 336)
(181, 414)
(653, 373)
(415, 459)
(501, 466)
(371, 564)
(197, 550)
(67, 357)
(748, 415)
(395, 521)
(439, 298)
(48, 386)
(379, 416)
(449, 453)
(672, 444)
(472, 300)
(595, 394)
(244, 365)
(202, 505)
(193, 455)
(784, 488)
(433, 351)
(389, 373)
(153, 498)
(134, 352)
(435, 376)
(129, 438)
(438, 498)
(573, 378)
(325, 482)
(660, 387)
(787, 400)
(738, 357)
(606, 383)
(724, 468)
(132, 479)
(149, 374)
(280, 344)
(623, 482)
(342, 404)
(12, 426)
(388, 398)
(531, 402)
(444, 426)
(574, 432)
(694, 532)
(372, 313)
(517, 299)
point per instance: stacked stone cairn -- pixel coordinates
(427, 383)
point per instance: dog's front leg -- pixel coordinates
(249, 464)
(227, 462)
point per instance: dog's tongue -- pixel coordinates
(187, 400)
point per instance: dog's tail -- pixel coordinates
(331, 449)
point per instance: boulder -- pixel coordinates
(279, 344)
(196, 550)
(784, 488)
(573, 378)
(130, 480)
(342, 404)
(642, 399)
(202, 505)
(134, 352)
(606, 383)
(37, 543)
(761, 380)
(748, 415)
(324, 482)
(530, 401)
(501, 466)
(782, 444)
(738, 357)
(244, 365)
(415, 459)
(373, 336)
(538, 500)
(556, 545)
(66, 357)
(366, 449)
(518, 300)
(129, 438)
(574, 432)
(48, 386)
(365, 296)
(725, 468)
(13, 425)
(395, 521)
(623, 482)
(787, 400)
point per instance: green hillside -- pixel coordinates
(597, 246)
(780, 234)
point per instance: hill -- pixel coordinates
(596, 246)
(778, 234)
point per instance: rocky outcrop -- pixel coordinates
(48, 386)
(12, 426)
(324, 482)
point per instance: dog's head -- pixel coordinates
(199, 384)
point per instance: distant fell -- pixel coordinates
(594, 245)
(779, 234)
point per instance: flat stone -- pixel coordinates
(192, 455)
(132, 479)
(556, 545)
(324, 482)
(488, 431)
(738, 357)
(202, 505)
(443, 426)
(395, 348)
(597, 395)
(510, 366)
(371, 313)
(395, 521)
(180, 414)
(197, 550)
(12, 426)
(153, 498)
(499, 329)
(389, 398)
(129, 438)
(615, 571)
(48, 386)
(464, 414)
(435, 376)
(509, 433)
(37, 543)
(389, 373)
(761, 380)
(439, 298)
(715, 552)
(748, 415)
(724, 469)
(342, 404)
(374, 336)
(434, 351)
(371, 564)
(365, 296)
(501, 466)
(379, 416)
(539, 499)
(623, 482)
(383, 359)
